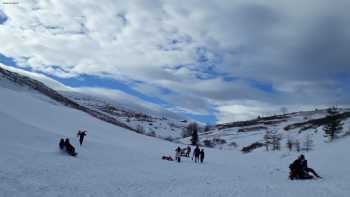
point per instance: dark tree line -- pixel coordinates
(334, 125)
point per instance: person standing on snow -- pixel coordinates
(178, 154)
(188, 151)
(81, 135)
(201, 155)
(196, 153)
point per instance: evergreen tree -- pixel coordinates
(193, 129)
(194, 138)
(333, 127)
(188, 130)
(289, 144)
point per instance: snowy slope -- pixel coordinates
(153, 121)
(22, 83)
(115, 162)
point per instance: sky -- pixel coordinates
(212, 61)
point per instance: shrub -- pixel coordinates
(152, 134)
(252, 147)
(208, 143)
(219, 141)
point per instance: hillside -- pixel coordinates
(142, 121)
(295, 127)
(23, 83)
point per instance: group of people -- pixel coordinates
(65, 144)
(300, 170)
(198, 154)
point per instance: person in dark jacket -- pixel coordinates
(81, 135)
(305, 168)
(202, 155)
(196, 153)
(300, 170)
(69, 147)
(61, 144)
(178, 154)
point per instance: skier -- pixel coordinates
(202, 155)
(81, 135)
(300, 170)
(178, 154)
(69, 147)
(196, 153)
(188, 151)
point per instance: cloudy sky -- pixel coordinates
(209, 60)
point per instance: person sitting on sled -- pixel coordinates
(300, 170)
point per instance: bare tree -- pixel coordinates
(276, 142)
(268, 139)
(308, 143)
(290, 144)
(297, 145)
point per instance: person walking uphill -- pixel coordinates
(201, 155)
(196, 153)
(81, 135)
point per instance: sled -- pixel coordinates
(168, 158)
(73, 154)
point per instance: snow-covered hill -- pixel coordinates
(109, 105)
(168, 126)
(116, 162)
(18, 82)
(295, 127)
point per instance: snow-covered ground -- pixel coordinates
(237, 137)
(118, 162)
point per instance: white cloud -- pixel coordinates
(292, 45)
